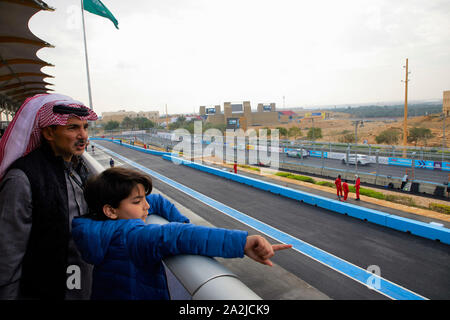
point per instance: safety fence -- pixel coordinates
(415, 186)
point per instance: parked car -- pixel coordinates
(361, 158)
(297, 153)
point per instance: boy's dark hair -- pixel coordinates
(112, 186)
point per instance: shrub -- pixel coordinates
(314, 133)
(442, 208)
(283, 174)
(347, 138)
(302, 178)
(389, 136)
(295, 176)
(401, 199)
(370, 193)
(325, 183)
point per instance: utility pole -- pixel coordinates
(405, 120)
(443, 135)
(167, 119)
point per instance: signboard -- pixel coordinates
(267, 108)
(400, 162)
(446, 166)
(318, 154)
(233, 123)
(210, 110)
(437, 165)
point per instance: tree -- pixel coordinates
(416, 134)
(208, 125)
(127, 123)
(389, 136)
(268, 132)
(282, 131)
(295, 132)
(143, 123)
(111, 125)
(314, 133)
(347, 138)
(179, 123)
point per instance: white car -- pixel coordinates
(361, 158)
(297, 153)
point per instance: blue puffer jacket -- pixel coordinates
(127, 254)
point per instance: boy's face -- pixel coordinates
(133, 207)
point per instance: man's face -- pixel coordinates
(68, 140)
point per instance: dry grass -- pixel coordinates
(332, 129)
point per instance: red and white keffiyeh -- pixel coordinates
(23, 134)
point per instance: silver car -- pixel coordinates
(297, 153)
(360, 158)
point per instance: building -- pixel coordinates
(122, 114)
(237, 115)
(446, 103)
(286, 116)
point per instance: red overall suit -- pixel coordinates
(337, 182)
(345, 187)
(357, 184)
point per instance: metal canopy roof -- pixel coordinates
(20, 68)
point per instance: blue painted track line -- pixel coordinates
(364, 277)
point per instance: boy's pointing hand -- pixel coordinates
(260, 250)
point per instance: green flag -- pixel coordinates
(98, 8)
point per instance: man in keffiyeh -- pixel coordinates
(41, 190)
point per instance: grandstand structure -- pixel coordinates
(20, 68)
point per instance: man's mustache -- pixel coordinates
(80, 142)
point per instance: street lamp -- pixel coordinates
(361, 124)
(413, 155)
(377, 152)
(356, 123)
(443, 135)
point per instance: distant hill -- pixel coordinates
(377, 111)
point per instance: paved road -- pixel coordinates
(415, 263)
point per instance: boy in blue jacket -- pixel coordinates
(127, 253)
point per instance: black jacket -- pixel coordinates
(45, 261)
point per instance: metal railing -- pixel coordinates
(419, 152)
(203, 278)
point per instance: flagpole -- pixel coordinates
(86, 56)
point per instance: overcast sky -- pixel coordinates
(188, 53)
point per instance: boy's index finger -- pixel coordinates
(277, 247)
